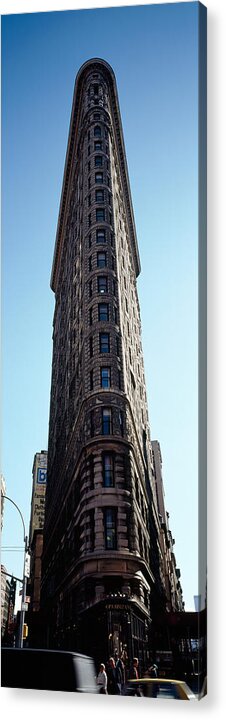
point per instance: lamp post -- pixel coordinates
(26, 570)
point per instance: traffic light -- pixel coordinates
(25, 631)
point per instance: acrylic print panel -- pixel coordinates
(106, 165)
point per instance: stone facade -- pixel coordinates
(102, 529)
(170, 571)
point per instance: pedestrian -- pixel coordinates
(120, 668)
(134, 675)
(152, 672)
(134, 669)
(113, 684)
(102, 680)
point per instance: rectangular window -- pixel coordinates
(103, 312)
(98, 145)
(105, 376)
(90, 240)
(100, 215)
(90, 288)
(110, 528)
(101, 236)
(97, 131)
(98, 160)
(89, 200)
(115, 314)
(91, 347)
(91, 472)
(91, 379)
(102, 284)
(96, 89)
(90, 263)
(99, 196)
(92, 529)
(120, 416)
(89, 219)
(101, 259)
(99, 177)
(104, 342)
(92, 423)
(108, 470)
(106, 421)
(91, 316)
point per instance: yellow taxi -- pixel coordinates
(162, 688)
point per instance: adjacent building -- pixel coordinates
(8, 594)
(171, 572)
(39, 474)
(102, 577)
(4, 599)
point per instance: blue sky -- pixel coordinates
(154, 53)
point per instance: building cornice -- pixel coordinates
(95, 63)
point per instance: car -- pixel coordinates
(42, 669)
(162, 688)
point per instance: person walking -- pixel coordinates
(134, 675)
(134, 669)
(152, 672)
(113, 684)
(102, 680)
(120, 669)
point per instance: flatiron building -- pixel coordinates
(102, 577)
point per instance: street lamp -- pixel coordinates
(26, 570)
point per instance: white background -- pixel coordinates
(26, 702)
